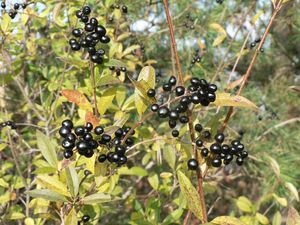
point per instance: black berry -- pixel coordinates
(192, 164)
(175, 133)
(179, 90)
(102, 158)
(151, 92)
(85, 218)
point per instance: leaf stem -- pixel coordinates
(96, 112)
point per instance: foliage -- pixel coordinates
(43, 82)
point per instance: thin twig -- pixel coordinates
(173, 42)
(96, 112)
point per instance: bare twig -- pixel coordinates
(173, 42)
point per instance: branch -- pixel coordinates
(173, 42)
(96, 112)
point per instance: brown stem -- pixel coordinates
(251, 65)
(96, 112)
(173, 42)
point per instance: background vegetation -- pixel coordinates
(36, 64)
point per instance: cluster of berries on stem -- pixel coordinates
(8, 123)
(218, 152)
(198, 92)
(90, 36)
(86, 139)
(118, 70)
(15, 9)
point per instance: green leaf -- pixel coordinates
(225, 99)
(115, 62)
(106, 79)
(140, 104)
(130, 49)
(71, 218)
(47, 194)
(148, 74)
(169, 155)
(77, 62)
(96, 198)
(244, 204)
(47, 149)
(227, 220)
(293, 190)
(5, 22)
(173, 217)
(277, 219)
(72, 180)
(53, 184)
(281, 201)
(106, 100)
(138, 171)
(154, 181)
(191, 195)
(261, 218)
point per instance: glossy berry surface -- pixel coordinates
(179, 90)
(192, 164)
(163, 112)
(175, 133)
(85, 218)
(216, 162)
(151, 92)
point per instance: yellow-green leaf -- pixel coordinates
(225, 99)
(244, 204)
(274, 165)
(148, 74)
(277, 219)
(261, 218)
(47, 194)
(52, 183)
(96, 199)
(227, 220)
(72, 180)
(154, 181)
(190, 194)
(281, 201)
(106, 100)
(293, 190)
(47, 149)
(71, 218)
(29, 221)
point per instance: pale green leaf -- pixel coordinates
(47, 194)
(71, 218)
(154, 181)
(261, 218)
(244, 204)
(227, 220)
(96, 198)
(72, 180)
(190, 194)
(47, 148)
(52, 183)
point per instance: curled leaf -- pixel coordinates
(225, 99)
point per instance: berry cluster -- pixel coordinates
(123, 7)
(82, 140)
(256, 41)
(189, 22)
(197, 58)
(118, 70)
(9, 123)
(89, 37)
(218, 152)
(198, 92)
(14, 11)
(219, 1)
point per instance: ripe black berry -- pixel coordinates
(106, 138)
(219, 137)
(16, 6)
(122, 160)
(3, 5)
(89, 27)
(212, 88)
(185, 100)
(98, 130)
(109, 156)
(124, 9)
(79, 131)
(172, 124)
(67, 123)
(252, 45)
(195, 82)
(94, 21)
(67, 144)
(64, 131)
(179, 90)
(85, 218)
(198, 127)
(233, 150)
(73, 41)
(102, 158)
(240, 147)
(86, 10)
(216, 162)
(167, 87)
(68, 153)
(206, 134)
(89, 126)
(204, 102)
(184, 119)
(77, 32)
(129, 141)
(24, 5)
(228, 158)
(163, 112)
(215, 148)
(195, 98)
(175, 133)
(211, 97)
(105, 39)
(93, 144)
(151, 92)
(12, 14)
(96, 59)
(82, 147)
(192, 164)
(84, 19)
(114, 157)
(75, 47)
(172, 80)
(244, 154)
(225, 149)
(100, 30)
(78, 14)
(89, 153)
(199, 143)
(235, 143)
(119, 132)
(239, 161)
(87, 137)
(120, 150)
(204, 152)
(173, 115)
